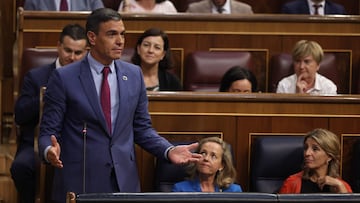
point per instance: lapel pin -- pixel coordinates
(124, 77)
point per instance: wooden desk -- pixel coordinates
(263, 34)
(189, 116)
(233, 117)
(8, 192)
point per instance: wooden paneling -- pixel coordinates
(263, 35)
(236, 116)
(8, 192)
(347, 143)
(190, 116)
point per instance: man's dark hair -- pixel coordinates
(101, 15)
(75, 31)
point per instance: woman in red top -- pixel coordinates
(321, 166)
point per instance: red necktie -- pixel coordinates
(105, 97)
(64, 5)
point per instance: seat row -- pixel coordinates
(273, 158)
(203, 70)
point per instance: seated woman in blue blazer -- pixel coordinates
(214, 172)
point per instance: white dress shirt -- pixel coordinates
(226, 8)
(321, 9)
(323, 86)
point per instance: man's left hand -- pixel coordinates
(182, 154)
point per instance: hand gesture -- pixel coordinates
(301, 84)
(182, 154)
(53, 154)
(333, 182)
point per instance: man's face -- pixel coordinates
(108, 44)
(71, 50)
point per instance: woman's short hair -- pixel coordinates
(167, 61)
(329, 142)
(225, 177)
(237, 73)
(304, 48)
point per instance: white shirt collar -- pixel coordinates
(97, 66)
(57, 63)
(226, 7)
(312, 9)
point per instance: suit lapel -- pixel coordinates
(327, 9)
(89, 88)
(122, 80)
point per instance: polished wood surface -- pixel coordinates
(264, 35)
(234, 118)
(7, 188)
(190, 116)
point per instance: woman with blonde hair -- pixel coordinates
(321, 166)
(307, 56)
(214, 172)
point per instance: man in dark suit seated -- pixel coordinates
(72, 46)
(313, 7)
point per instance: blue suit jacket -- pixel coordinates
(28, 102)
(27, 118)
(70, 101)
(194, 186)
(302, 7)
(76, 5)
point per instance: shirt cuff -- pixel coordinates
(45, 153)
(166, 154)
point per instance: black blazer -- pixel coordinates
(302, 7)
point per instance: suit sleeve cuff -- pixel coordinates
(166, 154)
(45, 154)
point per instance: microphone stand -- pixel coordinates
(84, 132)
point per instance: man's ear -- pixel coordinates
(91, 37)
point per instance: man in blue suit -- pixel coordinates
(71, 47)
(54, 5)
(73, 106)
(307, 7)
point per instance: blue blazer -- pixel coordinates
(76, 5)
(28, 102)
(27, 118)
(302, 7)
(194, 186)
(71, 101)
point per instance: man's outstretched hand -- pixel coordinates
(182, 154)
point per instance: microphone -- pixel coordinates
(84, 133)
